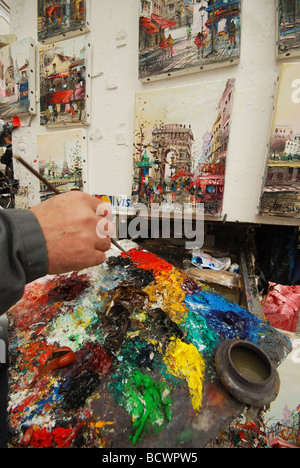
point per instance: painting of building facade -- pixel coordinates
(62, 160)
(185, 36)
(288, 28)
(64, 82)
(62, 18)
(17, 80)
(180, 146)
(281, 184)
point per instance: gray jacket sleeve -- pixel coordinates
(23, 254)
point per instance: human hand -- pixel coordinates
(69, 222)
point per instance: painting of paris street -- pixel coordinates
(184, 36)
(181, 137)
(59, 19)
(17, 79)
(281, 183)
(64, 82)
(288, 28)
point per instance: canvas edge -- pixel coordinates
(191, 70)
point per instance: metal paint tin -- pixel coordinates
(247, 373)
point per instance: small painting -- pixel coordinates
(64, 82)
(288, 28)
(281, 183)
(17, 78)
(181, 139)
(185, 36)
(61, 19)
(62, 160)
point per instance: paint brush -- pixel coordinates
(57, 192)
(119, 247)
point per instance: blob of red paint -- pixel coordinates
(60, 437)
(61, 357)
(149, 261)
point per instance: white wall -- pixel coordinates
(115, 81)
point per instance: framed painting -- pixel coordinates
(281, 182)
(65, 82)
(61, 19)
(62, 160)
(181, 139)
(17, 78)
(288, 28)
(182, 37)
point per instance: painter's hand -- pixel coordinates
(69, 223)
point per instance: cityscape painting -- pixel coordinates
(60, 19)
(62, 160)
(64, 82)
(281, 184)
(185, 36)
(288, 28)
(17, 78)
(180, 146)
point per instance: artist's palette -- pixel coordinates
(137, 341)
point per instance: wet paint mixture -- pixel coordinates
(122, 355)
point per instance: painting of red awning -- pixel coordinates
(64, 82)
(187, 36)
(61, 19)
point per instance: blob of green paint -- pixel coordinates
(199, 333)
(148, 402)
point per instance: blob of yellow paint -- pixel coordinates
(168, 293)
(101, 424)
(185, 362)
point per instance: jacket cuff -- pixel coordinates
(35, 250)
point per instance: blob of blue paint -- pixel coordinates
(227, 319)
